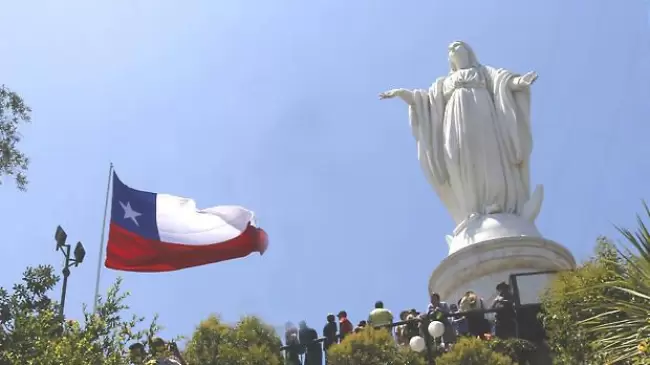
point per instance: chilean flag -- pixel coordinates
(152, 232)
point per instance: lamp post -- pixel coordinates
(430, 330)
(428, 341)
(79, 253)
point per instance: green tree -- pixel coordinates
(575, 296)
(13, 113)
(372, 347)
(621, 321)
(249, 342)
(26, 315)
(32, 332)
(472, 351)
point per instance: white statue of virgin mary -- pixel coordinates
(473, 135)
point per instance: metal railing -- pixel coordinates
(427, 318)
(418, 320)
(535, 330)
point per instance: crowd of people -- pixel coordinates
(304, 346)
(160, 353)
(466, 317)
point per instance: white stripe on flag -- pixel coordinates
(179, 221)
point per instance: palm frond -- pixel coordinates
(621, 319)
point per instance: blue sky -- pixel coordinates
(273, 105)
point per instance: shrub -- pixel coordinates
(519, 350)
(472, 351)
(250, 342)
(372, 347)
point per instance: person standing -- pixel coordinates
(477, 325)
(439, 311)
(292, 354)
(345, 326)
(505, 324)
(137, 354)
(329, 332)
(400, 331)
(360, 326)
(380, 316)
(458, 322)
(308, 337)
(160, 353)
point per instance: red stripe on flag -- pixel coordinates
(127, 251)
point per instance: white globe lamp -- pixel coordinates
(436, 329)
(417, 344)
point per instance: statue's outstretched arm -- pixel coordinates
(521, 82)
(404, 94)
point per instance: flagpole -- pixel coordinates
(101, 242)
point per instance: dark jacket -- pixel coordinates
(329, 332)
(292, 355)
(314, 355)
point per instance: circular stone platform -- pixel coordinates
(479, 266)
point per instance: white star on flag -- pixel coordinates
(129, 213)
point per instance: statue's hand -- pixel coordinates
(403, 94)
(528, 79)
(389, 94)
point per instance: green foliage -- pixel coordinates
(250, 342)
(575, 296)
(32, 332)
(372, 347)
(621, 321)
(519, 350)
(13, 112)
(27, 315)
(472, 351)
(600, 312)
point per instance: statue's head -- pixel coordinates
(461, 56)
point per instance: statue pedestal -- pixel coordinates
(487, 250)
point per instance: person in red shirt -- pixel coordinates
(345, 326)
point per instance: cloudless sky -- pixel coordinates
(273, 105)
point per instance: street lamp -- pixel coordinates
(435, 329)
(79, 253)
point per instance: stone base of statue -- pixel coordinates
(486, 250)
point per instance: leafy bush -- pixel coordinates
(599, 312)
(372, 347)
(250, 342)
(575, 296)
(519, 350)
(621, 320)
(472, 351)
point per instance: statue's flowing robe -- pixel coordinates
(474, 141)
